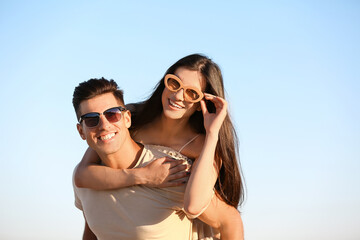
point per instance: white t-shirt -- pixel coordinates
(138, 212)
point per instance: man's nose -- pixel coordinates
(103, 122)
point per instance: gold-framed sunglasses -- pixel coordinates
(92, 119)
(174, 84)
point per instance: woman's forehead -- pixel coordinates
(191, 78)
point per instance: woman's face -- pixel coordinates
(174, 104)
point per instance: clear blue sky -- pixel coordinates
(291, 71)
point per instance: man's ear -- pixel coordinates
(127, 118)
(81, 131)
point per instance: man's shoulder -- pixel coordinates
(148, 155)
(74, 175)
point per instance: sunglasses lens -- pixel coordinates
(91, 120)
(113, 115)
(192, 95)
(173, 84)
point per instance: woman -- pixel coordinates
(187, 112)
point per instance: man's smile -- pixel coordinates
(107, 136)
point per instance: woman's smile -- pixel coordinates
(175, 105)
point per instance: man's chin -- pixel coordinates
(105, 150)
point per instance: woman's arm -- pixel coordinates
(162, 172)
(226, 219)
(204, 171)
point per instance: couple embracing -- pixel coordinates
(165, 168)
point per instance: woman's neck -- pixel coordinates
(173, 127)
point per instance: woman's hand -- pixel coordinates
(213, 121)
(162, 172)
(165, 172)
(204, 171)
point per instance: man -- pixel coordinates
(136, 212)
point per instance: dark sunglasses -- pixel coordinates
(92, 119)
(174, 84)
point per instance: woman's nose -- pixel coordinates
(179, 95)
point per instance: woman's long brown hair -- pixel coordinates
(229, 185)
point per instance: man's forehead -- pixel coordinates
(99, 103)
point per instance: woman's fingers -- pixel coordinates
(219, 102)
(172, 162)
(178, 168)
(178, 177)
(213, 121)
(203, 107)
(175, 183)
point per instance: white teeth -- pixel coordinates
(108, 136)
(175, 105)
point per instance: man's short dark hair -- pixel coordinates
(95, 87)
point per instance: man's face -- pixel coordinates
(106, 138)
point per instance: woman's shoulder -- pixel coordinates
(194, 148)
(199, 141)
(143, 135)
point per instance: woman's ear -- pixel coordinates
(198, 106)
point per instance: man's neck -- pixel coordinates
(126, 157)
